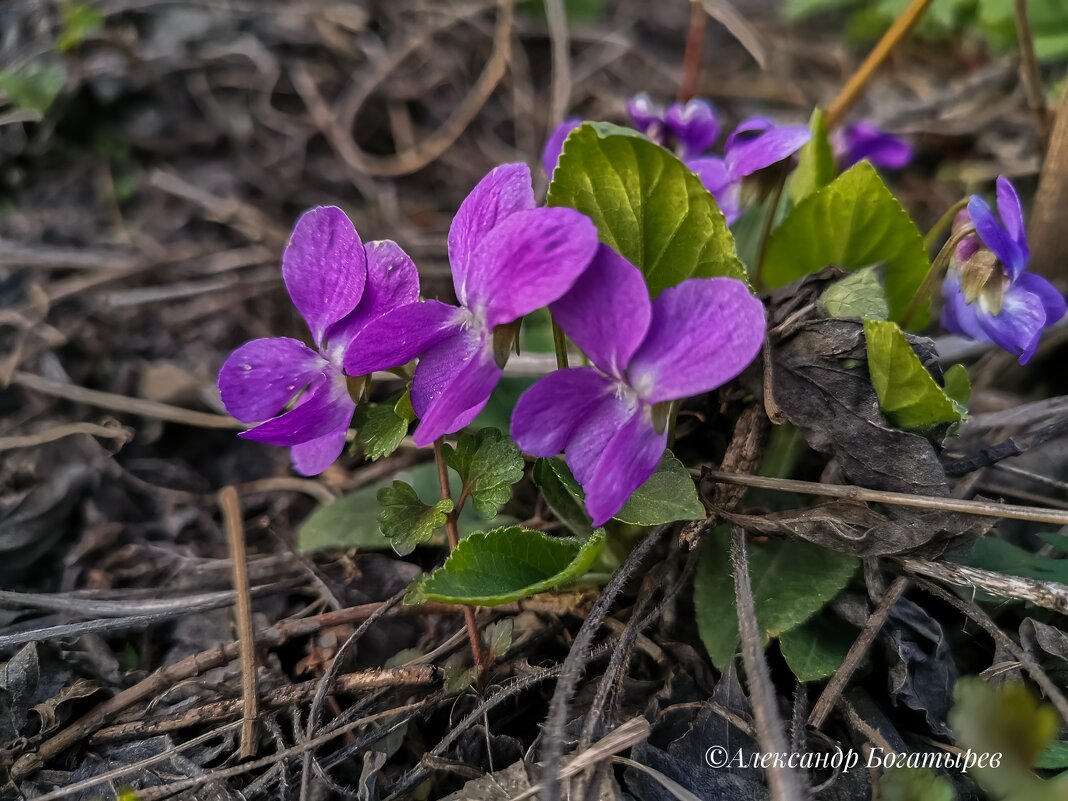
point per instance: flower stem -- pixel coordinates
(938, 264)
(943, 223)
(560, 344)
(773, 211)
(452, 531)
(691, 60)
(854, 87)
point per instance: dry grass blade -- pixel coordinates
(1047, 594)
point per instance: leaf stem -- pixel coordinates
(560, 345)
(773, 211)
(453, 533)
(859, 79)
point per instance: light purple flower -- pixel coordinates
(555, 144)
(508, 259)
(755, 145)
(338, 285)
(990, 296)
(862, 140)
(693, 338)
(688, 128)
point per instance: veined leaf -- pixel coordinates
(564, 499)
(858, 295)
(792, 580)
(853, 222)
(506, 564)
(406, 520)
(908, 394)
(380, 427)
(488, 463)
(646, 204)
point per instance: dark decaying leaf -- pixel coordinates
(922, 670)
(18, 686)
(857, 529)
(1049, 646)
(33, 523)
(821, 384)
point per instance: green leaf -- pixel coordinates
(815, 649)
(853, 222)
(506, 564)
(79, 23)
(562, 495)
(1055, 757)
(488, 463)
(668, 495)
(858, 295)
(352, 521)
(380, 429)
(992, 553)
(35, 87)
(908, 394)
(914, 784)
(792, 580)
(815, 162)
(646, 204)
(958, 386)
(406, 520)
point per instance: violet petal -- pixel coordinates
(995, 237)
(554, 145)
(528, 261)
(259, 378)
(452, 383)
(1052, 299)
(607, 311)
(314, 456)
(693, 126)
(704, 332)
(324, 268)
(400, 335)
(628, 461)
(1018, 326)
(959, 316)
(547, 414)
(1011, 214)
(745, 157)
(392, 282)
(504, 191)
(324, 408)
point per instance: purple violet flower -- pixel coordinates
(990, 296)
(693, 338)
(338, 285)
(554, 146)
(757, 143)
(862, 140)
(688, 128)
(508, 259)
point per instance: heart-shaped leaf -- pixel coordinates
(488, 463)
(506, 564)
(853, 222)
(646, 204)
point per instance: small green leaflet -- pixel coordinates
(506, 564)
(792, 580)
(815, 649)
(352, 521)
(79, 23)
(669, 495)
(406, 520)
(34, 87)
(914, 784)
(488, 463)
(815, 162)
(853, 222)
(380, 427)
(908, 394)
(858, 295)
(646, 204)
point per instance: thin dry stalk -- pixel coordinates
(784, 783)
(230, 505)
(1032, 76)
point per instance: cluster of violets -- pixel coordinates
(508, 259)
(691, 129)
(989, 295)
